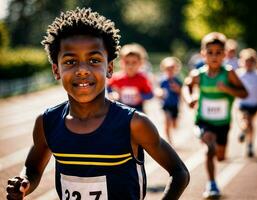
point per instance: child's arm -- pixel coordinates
(187, 89)
(237, 89)
(145, 134)
(36, 161)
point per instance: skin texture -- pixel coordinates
(82, 68)
(213, 55)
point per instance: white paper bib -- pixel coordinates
(214, 109)
(130, 95)
(84, 188)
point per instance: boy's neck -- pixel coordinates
(83, 111)
(212, 72)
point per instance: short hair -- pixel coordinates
(134, 49)
(231, 44)
(81, 22)
(169, 62)
(213, 38)
(247, 54)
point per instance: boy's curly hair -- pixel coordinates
(77, 22)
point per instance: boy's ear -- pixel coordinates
(56, 72)
(203, 52)
(109, 70)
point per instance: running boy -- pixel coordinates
(218, 85)
(97, 143)
(231, 53)
(169, 92)
(130, 85)
(248, 106)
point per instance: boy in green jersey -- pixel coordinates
(218, 85)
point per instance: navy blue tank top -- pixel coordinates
(98, 165)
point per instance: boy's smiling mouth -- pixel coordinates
(83, 85)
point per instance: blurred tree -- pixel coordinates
(154, 24)
(236, 20)
(4, 36)
(28, 19)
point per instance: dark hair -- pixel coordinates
(81, 21)
(213, 38)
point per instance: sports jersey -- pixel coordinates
(171, 97)
(214, 105)
(97, 165)
(130, 87)
(249, 79)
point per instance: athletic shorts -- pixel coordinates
(251, 110)
(172, 110)
(221, 131)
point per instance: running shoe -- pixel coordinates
(250, 153)
(211, 191)
(241, 137)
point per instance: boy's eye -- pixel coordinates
(94, 61)
(70, 62)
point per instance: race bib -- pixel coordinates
(130, 96)
(84, 188)
(214, 109)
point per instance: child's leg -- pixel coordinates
(249, 136)
(210, 140)
(220, 152)
(167, 125)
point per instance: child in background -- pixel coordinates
(130, 86)
(231, 53)
(248, 106)
(169, 92)
(218, 85)
(98, 144)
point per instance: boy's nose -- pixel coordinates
(82, 69)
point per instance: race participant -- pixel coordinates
(217, 85)
(97, 143)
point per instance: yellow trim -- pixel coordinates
(91, 155)
(93, 163)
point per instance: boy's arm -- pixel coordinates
(187, 89)
(237, 89)
(35, 164)
(145, 134)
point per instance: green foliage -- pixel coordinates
(204, 16)
(22, 63)
(4, 35)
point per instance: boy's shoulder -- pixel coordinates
(56, 108)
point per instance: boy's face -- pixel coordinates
(214, 55)
(83, 67)
(230, 53)
(130, 64)
(170, 71)
(249, 63)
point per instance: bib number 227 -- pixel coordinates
(75, 195)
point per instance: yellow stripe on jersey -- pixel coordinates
(94, 163)
(91, 155)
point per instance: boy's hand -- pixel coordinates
(175, 87)
(192, 103)
(17, 188)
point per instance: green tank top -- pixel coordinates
(214, 106)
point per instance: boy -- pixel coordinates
(231, 53)
(170, 87)
(97, 143)
(130, 86)
(218, 85)
(248, 106)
